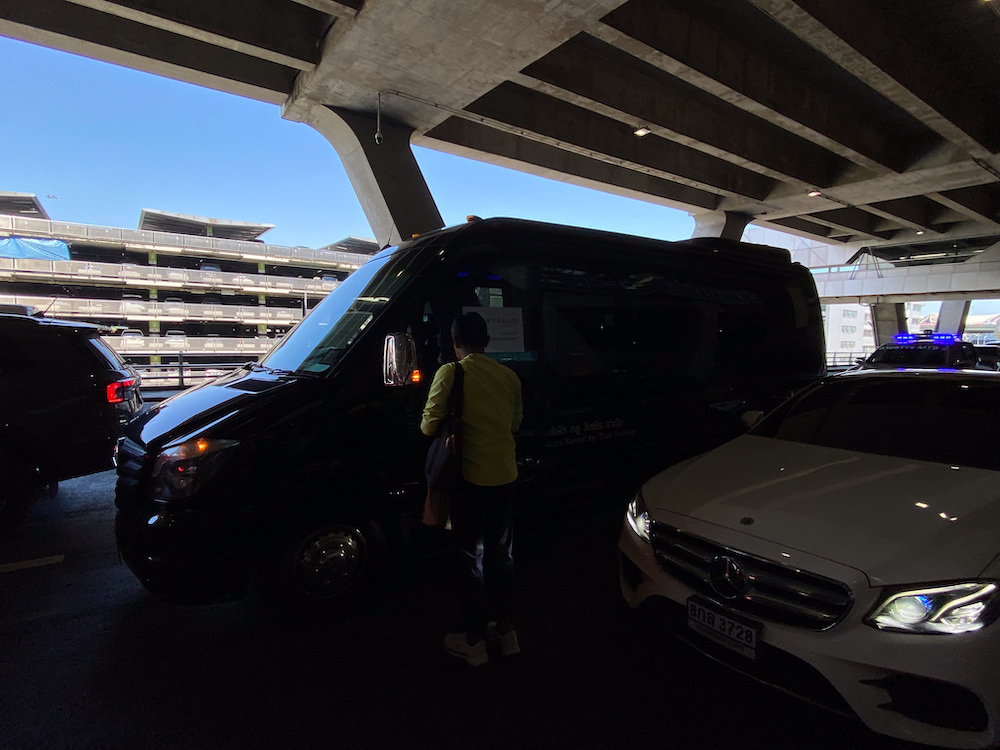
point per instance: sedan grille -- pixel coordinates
(750, 584)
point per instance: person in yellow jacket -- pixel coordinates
(482, 504)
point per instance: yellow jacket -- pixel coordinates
(491, 413)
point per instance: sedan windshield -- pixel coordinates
(946, 420)
(319, 340)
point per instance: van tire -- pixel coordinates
(324, 564)
(18, 491)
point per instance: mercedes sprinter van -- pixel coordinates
(633, 353)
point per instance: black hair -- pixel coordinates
(469, 329)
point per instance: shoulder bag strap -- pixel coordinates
(455, 398)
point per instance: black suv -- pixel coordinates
(65, 396)
(928, 350)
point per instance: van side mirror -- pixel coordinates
(399, 360)
(752, 417)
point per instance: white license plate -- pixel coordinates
(726, 629)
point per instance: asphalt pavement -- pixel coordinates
(90, 660)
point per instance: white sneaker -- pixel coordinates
(457, 644)
(507, 641)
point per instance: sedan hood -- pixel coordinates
(897, 520)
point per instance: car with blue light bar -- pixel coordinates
(844, 550)
(924, 350)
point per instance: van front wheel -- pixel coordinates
(323, 563)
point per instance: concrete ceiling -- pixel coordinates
(885, 108)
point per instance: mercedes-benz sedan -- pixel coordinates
(845, 549)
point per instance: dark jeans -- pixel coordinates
(481, 524)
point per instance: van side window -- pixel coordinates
(604, 322)
(499, 289)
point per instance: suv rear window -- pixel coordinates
(41, 349)
(115, 360)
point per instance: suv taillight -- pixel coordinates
(118, 391)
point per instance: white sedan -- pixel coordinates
(845, 549)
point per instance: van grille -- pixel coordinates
(755, 586)
(130, 458)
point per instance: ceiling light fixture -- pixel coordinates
(814, 194)
(641, 131)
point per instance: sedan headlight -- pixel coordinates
(949, 608)
(638, 517)
(180, 468)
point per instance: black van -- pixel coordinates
(632, 353)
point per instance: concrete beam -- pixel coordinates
(918, 213)
(122, 41)
(896, 60)
(853, 220)
(981, 204)
(480, 140)
(385, 175)
(888, 319)
(589, 73)
(976, 278)
(344, 9)
(689, 40)
(288, 38)
(724, 224)
(952, 315)
(532, 112)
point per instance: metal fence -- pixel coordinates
(162, 380)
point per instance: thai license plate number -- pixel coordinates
(727, 630)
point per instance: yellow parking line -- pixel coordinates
(39, 562)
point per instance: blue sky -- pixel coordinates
(107, 141)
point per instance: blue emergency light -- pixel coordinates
(937, 338)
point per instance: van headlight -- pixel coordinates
(638, 517)
(180, 468)
(944, 609)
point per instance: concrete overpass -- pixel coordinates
(856, 123)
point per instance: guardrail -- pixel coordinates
(840, 360)
(164, 278)
(162, 380)
(119, 310)
(169, 242)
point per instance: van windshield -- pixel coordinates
(318, 341)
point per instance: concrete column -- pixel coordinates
(728, 225)
(888, 319)
(951, 318)
(385, 175)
